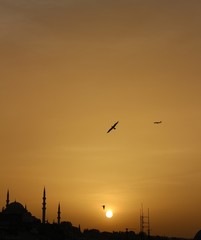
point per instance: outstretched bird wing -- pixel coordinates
(113, 127)
(115, 124)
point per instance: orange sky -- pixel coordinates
(69, 70)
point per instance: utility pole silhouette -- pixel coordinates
(144, 224)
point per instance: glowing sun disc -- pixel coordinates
(109, 214)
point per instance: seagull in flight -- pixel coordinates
(113, 127)
(157, 122)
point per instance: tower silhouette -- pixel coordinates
(144, 224)
(44, 206)
(59, 214)
(7, 200)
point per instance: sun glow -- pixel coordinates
(109, 214)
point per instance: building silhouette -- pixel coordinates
(15, 217)
(16, 222)
(15, 210)
(59, 214)
(7, 200)
(44, 207)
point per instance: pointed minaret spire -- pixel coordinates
(59, 214)
(44, 206)
(7, 200)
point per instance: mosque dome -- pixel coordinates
(198, 235)
(15, 208)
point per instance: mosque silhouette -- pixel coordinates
(15, 213)
(16, 222)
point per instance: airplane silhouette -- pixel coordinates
(157, 122)
(113, 127)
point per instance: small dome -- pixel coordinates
(198, 235)
(15, 208)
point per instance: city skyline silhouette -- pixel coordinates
(16, 222)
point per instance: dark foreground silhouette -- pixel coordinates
(66, 231)
(17, 223)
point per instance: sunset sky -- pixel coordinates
(70, 69)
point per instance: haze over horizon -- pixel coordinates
(69, 71)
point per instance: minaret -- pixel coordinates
(44, 206)
(7, 200)
(59, 214)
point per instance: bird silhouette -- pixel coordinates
(113, 127)
(157, 122)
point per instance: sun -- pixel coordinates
(109, 214)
